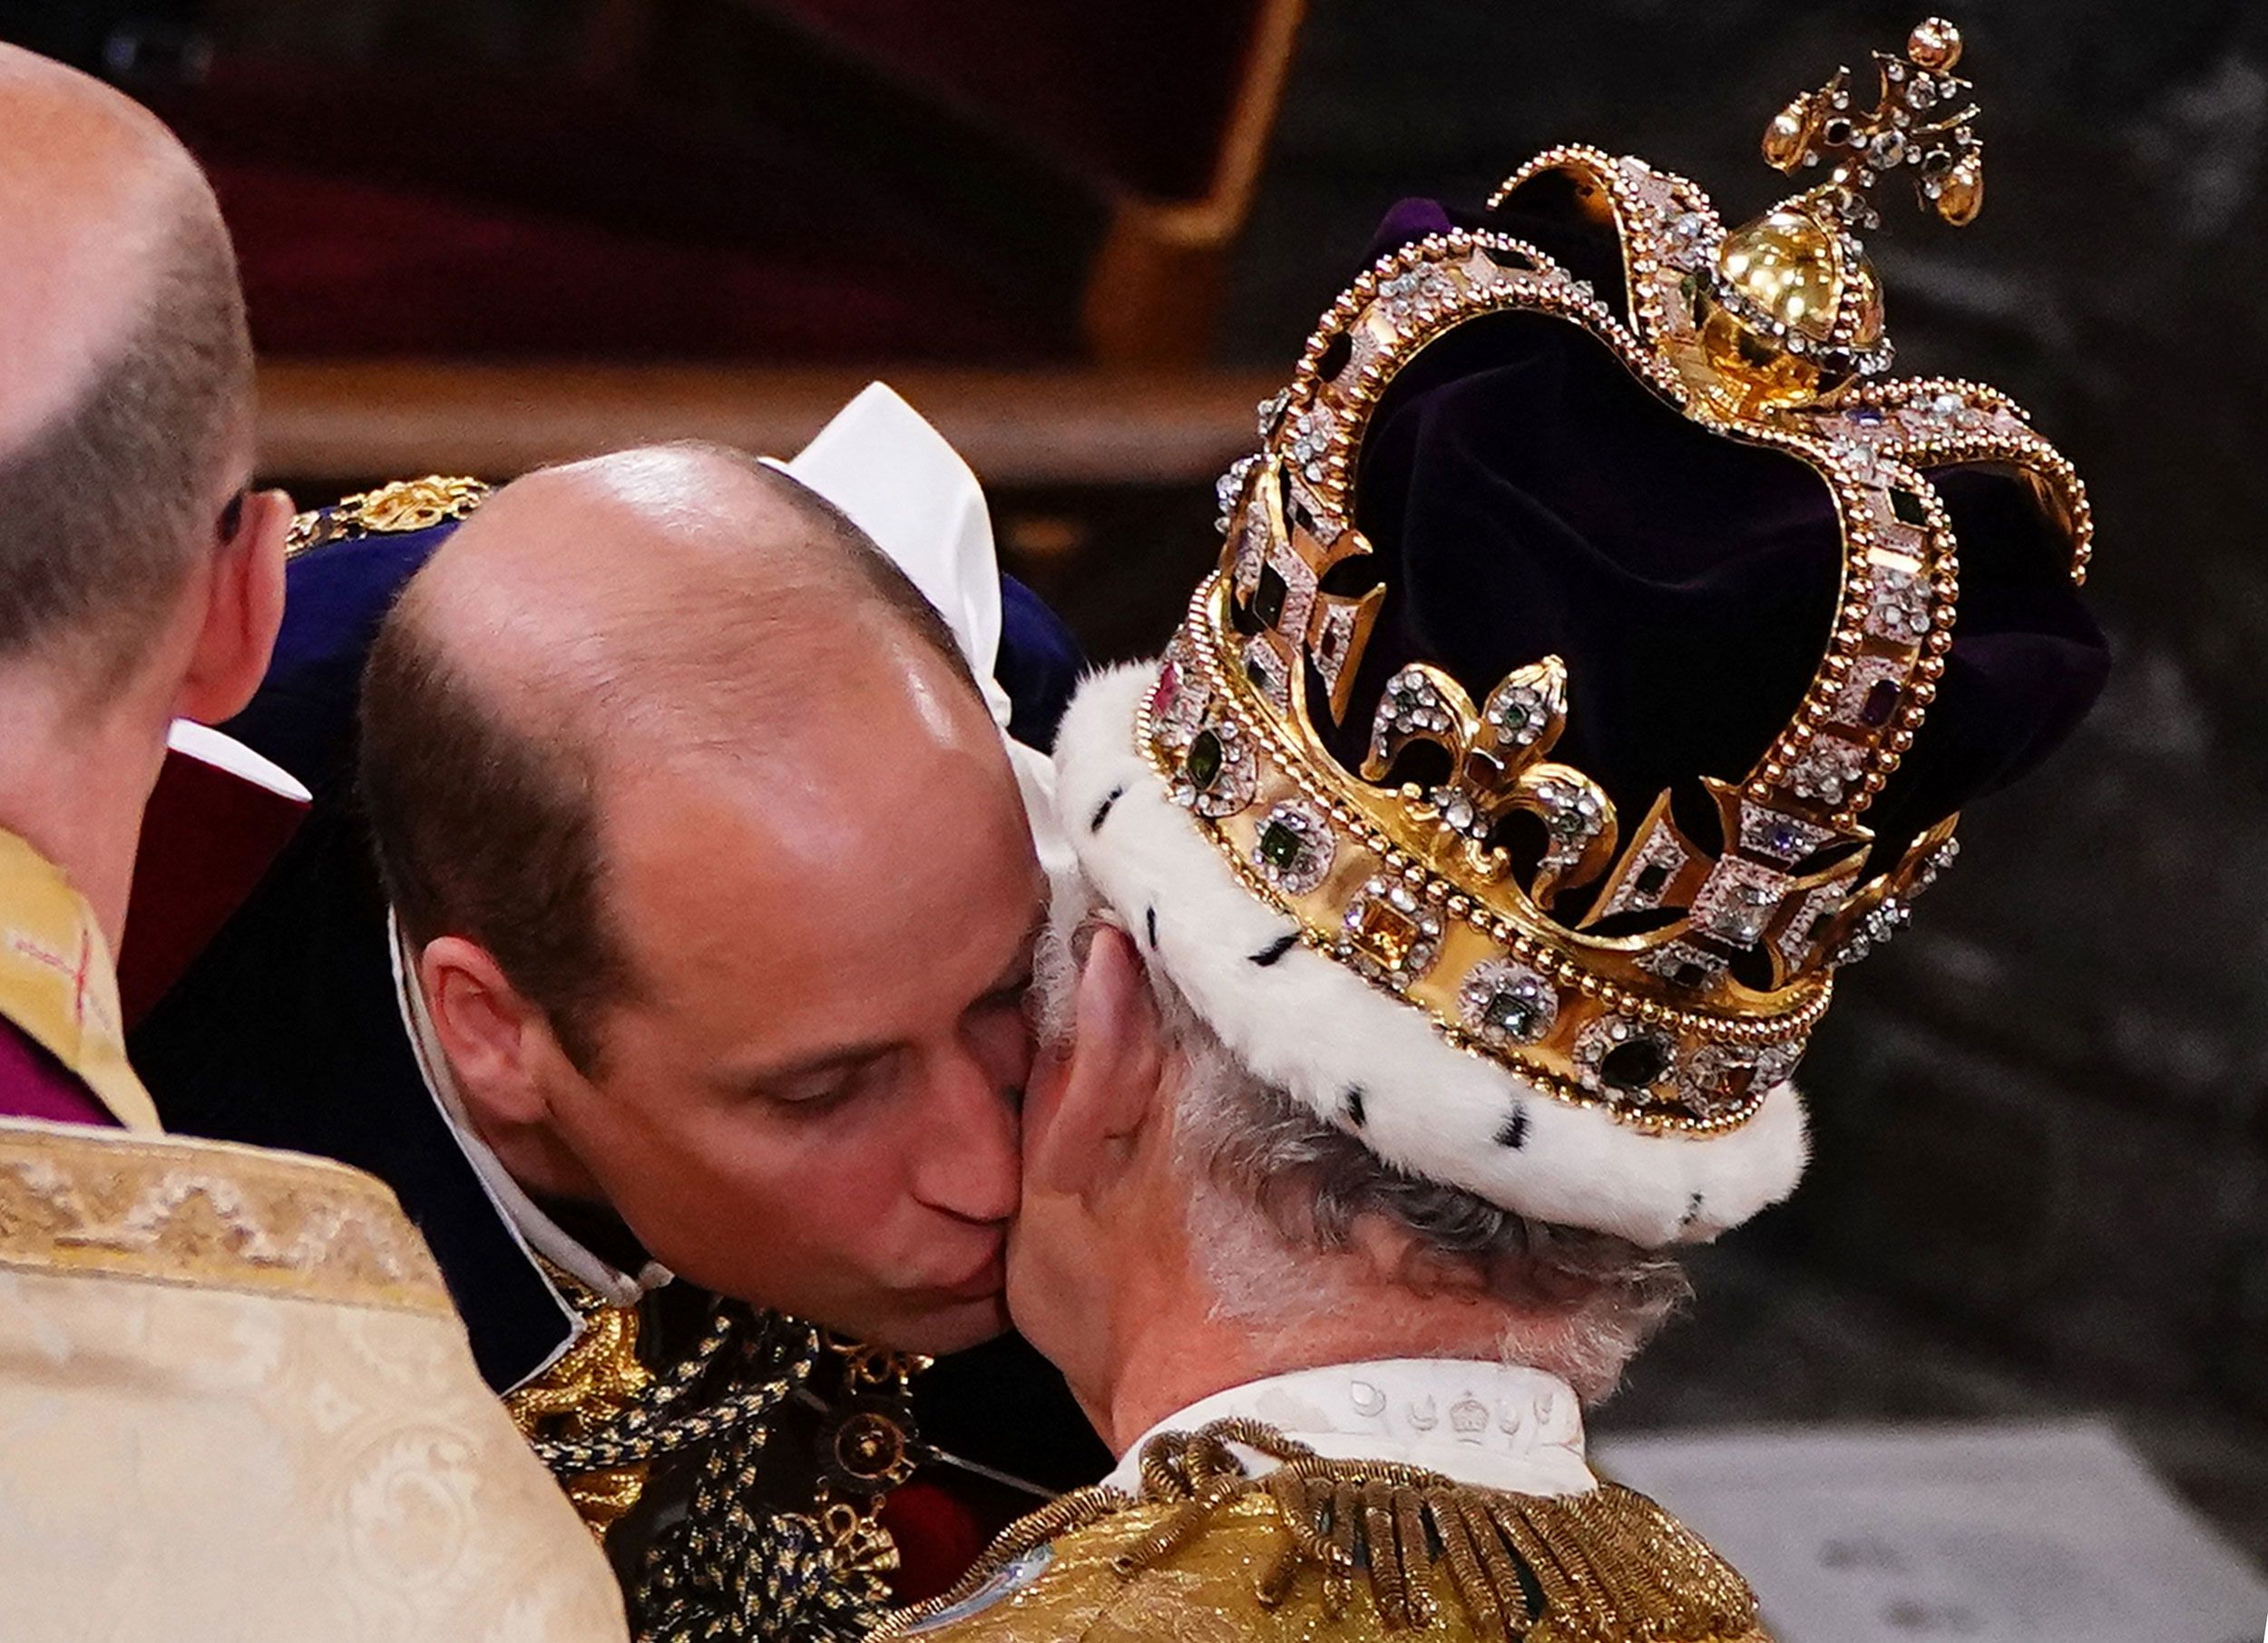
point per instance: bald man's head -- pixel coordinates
(125, 369)
(591, 621)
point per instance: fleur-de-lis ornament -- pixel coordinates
(1497, 766)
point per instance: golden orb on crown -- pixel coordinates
(1792, 310)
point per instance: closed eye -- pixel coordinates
(1011, 997)
(820, 1085)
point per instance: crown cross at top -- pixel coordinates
(1922, 123)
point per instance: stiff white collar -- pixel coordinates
(537, 1233)
(1492, 1425)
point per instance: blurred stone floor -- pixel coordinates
(1768, 1342)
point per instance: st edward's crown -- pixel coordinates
(1668, 971)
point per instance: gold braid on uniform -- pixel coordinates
(1604, 1567)
(575, 1403)
(730, 1569)
(406, 504)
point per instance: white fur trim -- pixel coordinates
(1312, 1027)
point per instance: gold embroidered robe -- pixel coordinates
(236, 1403)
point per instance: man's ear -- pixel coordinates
(243, 610)
(493, 1037)
(1110, 1078)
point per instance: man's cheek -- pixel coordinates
(1043, 1098)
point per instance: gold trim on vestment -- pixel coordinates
(207, 1214)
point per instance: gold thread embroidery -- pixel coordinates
(207, 1215)
(1608, 1566)
(406, 504)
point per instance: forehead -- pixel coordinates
(876, 839)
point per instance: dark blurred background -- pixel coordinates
(480, 234)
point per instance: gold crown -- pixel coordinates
(1404, 882)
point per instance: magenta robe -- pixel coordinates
(35, 1084)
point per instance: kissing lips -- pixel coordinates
(986, 1280)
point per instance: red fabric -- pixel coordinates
(336, 266)
(35, 1084)
(207, 838)
(497, 215)
(939, 1536)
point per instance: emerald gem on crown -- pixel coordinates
(1218, 774)
(1294, 848)
(1622, 1060)
(1504, 1004)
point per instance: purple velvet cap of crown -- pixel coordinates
(1525, 495)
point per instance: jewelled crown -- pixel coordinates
(1667, 972)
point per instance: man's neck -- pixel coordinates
(1175, 1351)
(73, 783)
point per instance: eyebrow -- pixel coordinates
(1016, 974)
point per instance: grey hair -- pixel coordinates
(1272, 1186)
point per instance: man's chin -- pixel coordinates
(954, 1326)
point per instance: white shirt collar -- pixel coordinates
(1492, 1425)
(536, 1232)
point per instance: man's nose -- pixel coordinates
(969, 1163)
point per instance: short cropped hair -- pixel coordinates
(488, 829)
(105, 509)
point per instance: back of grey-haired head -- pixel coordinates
(1273, 1187)
(105, 509)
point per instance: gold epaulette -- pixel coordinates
(1371, 1547)
(406, 504)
